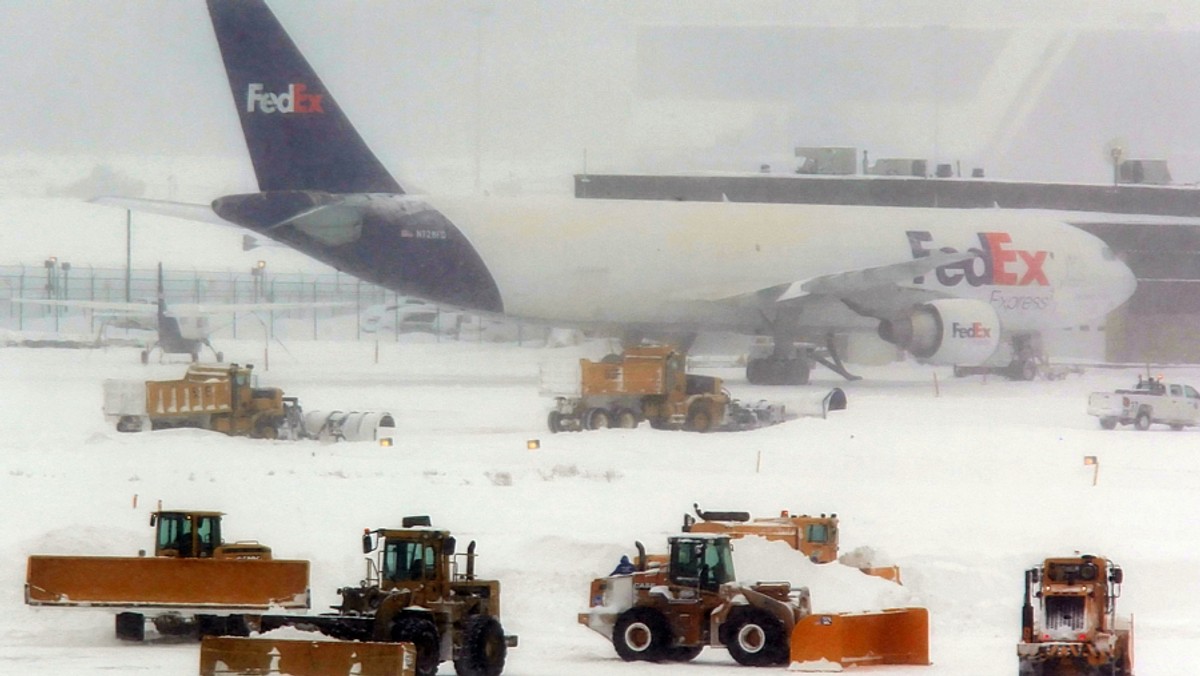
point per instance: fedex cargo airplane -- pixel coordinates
(947, 286)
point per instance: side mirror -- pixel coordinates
(369, 543)
(1117, 576)
(1035, 575)
(448, 546)
(153, 518)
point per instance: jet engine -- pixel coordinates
(947, 331)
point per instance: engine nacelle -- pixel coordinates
(947, 331)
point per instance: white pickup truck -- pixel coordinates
(1151, 401)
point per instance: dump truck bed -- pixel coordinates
(163, 582)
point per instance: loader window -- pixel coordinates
(208, 533)
(707, 565)
(407, 560)
(175, 532)
(168, 530)
(818, 533)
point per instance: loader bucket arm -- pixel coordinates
(892, 636)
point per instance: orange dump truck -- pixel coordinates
(193, 572)
(815, 536)
(651, 383)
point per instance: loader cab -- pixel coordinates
(186, 535)
(703, 562)
(410, 558)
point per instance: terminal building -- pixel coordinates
(1152, 225)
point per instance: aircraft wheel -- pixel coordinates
(754, 371)
(641, 634)
(797, 371)
(145, 356)
(756, 638)
(422, 633)
(554, 422)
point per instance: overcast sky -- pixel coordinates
(1024, 89)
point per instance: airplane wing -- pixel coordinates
(874, 291)
(185, 210)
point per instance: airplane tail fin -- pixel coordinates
(298, 137)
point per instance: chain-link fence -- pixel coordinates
(360, 310)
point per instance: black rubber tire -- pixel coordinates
(754, 372)
(625, 419)
(641, 634)
(699, 418)
(598, 419)
(1108, 423)
(131, 626)
(554, 422)
(1176, 428)
(423, 634)
(483, 649)
(1029, 370)
(1142, 422)
(798, 371)
(755, 638)
(682, 653)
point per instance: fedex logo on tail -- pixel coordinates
(997, 263)
(296, 99)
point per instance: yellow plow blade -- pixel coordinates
(892, 636)
(224, 655)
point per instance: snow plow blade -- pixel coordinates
(822, 642)
(223, 655)
(165, 582)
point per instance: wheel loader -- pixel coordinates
(414, 592)
(814, 536)
(193, 570)
(670, 612)
(1069, 623)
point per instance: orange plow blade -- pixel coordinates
(165, 582)
(223, 655)
(892, 636)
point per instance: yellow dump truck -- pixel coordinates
(1069, 621)
(193, 572)
(670, 612)
(814, 536)
(220, 397)
(651, 383)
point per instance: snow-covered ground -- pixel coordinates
(963, 483)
